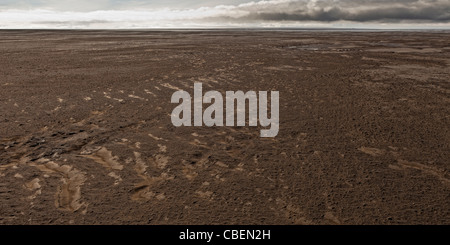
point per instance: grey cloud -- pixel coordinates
(124, 14)
(346, 10)
(72, 23)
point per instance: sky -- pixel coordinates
(126, 14)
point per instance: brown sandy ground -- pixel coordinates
(86, 136)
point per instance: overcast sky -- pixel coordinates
(231, 13)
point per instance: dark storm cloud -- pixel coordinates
(347, 10)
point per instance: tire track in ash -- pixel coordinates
(68, 194)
